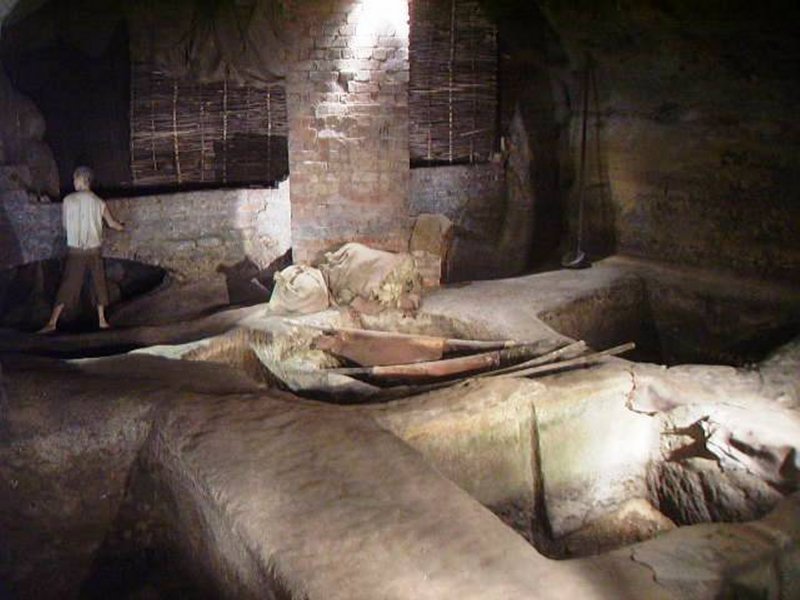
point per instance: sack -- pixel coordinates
(299, 289)
(357, 271)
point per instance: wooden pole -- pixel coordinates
(574, 362)
(574, 348)
(449, 344)
(436, 368)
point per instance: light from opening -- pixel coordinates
(381, 18)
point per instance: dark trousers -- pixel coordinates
(78, 261)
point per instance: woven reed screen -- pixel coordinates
(453, 82)
(191, 133)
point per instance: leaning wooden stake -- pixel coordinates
(443, 368)
(405, 391)
(566, 364)
(574, 348)
(484, 362)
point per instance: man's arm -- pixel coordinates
(110, 220)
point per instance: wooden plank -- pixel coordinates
(369, 351)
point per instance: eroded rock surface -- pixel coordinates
(267, 494)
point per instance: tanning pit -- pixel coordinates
(182, 469)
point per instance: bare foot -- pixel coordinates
(49, 328)
(105, 325)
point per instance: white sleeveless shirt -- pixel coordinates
(82, 213)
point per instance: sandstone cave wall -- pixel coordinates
(693, 146)
(26, 161)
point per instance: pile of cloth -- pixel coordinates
(355, 275)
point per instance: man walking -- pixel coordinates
(83, 213)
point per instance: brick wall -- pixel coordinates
(348, 117)
(492, 227)
(190, 234)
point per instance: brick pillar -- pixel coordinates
(348, 125)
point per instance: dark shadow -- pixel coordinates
(137, 558)
(27, 292)
(247, 284)
(535, 82)
(129, 191)
(600, 217)
(76, 69)
(157, 545)
(10, 247)
(4, 425)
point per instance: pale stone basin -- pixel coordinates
(250, 492)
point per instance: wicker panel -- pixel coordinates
(453, 86)
(184, 132)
